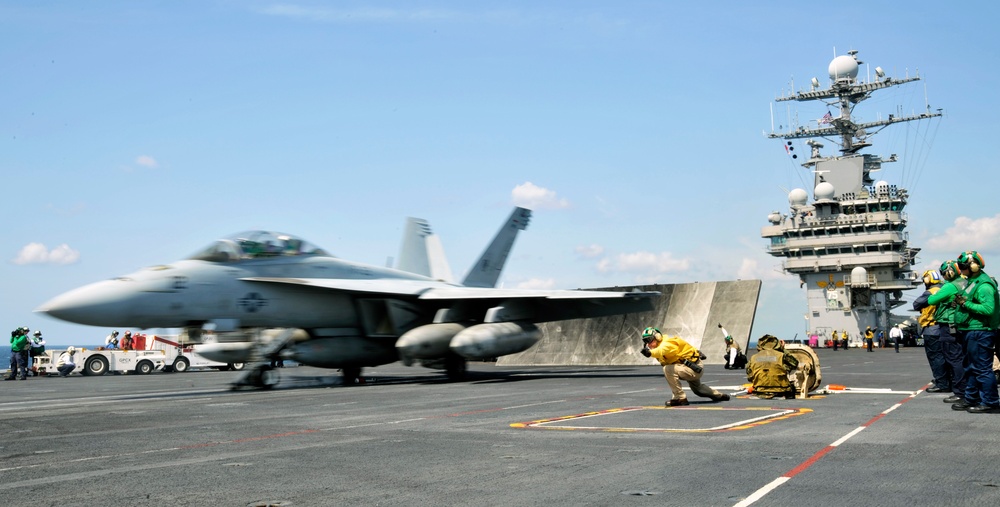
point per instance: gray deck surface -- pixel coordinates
(505, 437)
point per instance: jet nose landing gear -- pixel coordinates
(262, 376)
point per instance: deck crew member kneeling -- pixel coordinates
(680, 361)
(66, 363)
(768, 369)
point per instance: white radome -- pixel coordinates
(797, 197)
(859, 276)
(843, 67)
(824, 191)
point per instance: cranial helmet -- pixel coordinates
(971, 260)
(649, 334)
(128, 333)
(768, 341)
(949, 269)
(38, 333)
(931, 277)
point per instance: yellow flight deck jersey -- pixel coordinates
(674, 350)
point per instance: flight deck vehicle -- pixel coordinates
(98, 362)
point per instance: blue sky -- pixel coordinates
(134, 133)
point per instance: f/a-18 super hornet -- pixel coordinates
(327, 312)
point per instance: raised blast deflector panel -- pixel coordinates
(692, 311)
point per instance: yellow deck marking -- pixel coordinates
(566, 422)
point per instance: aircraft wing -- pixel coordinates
(458, 293)
(502, 304)
(432, 290)
(378, 286)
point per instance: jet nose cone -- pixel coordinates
(98, 304)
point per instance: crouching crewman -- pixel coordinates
(67, 362)
(768, 369)
(680, 361)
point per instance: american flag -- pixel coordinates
(826, 118)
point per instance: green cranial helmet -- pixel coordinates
(950, 271)
(971, 260)
(649, 334)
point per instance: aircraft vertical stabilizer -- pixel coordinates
(486, 271)
(422, 253)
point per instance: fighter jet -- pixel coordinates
(334, 313)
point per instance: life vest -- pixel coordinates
(991, 321)
(926, 319)
(767, 372)
(948, 312)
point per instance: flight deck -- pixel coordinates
(509, 435)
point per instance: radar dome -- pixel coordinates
(881, 187)
(774, 217)
(843, 67)
(797, 197)
(824, 191)
(859, 276)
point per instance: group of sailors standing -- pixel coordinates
(959, 317)
(23, 347)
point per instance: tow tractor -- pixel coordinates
(101, 361)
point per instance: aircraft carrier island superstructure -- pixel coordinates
(848, 246)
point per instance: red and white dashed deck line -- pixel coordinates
(787, 476)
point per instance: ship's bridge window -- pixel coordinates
(257, 245)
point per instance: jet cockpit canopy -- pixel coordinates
(257, 245)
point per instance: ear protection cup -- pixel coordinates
(972, 261)
(950, 270)
(976, 262)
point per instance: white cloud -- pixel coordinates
(537, 283)
(750, 269)
(147, 161)
(969, 234)
(643, 262)
(531, 196)
(590, 251)
(37, 253)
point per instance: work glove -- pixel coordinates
(645, 352)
